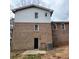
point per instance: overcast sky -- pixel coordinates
(60, 7)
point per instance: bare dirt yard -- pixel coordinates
(56, 53)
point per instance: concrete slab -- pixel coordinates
(34, 52)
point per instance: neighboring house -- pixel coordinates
(33, 28)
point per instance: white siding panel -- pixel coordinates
(28, 15)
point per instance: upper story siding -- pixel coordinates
(28, 15)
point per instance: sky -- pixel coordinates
(60, 7)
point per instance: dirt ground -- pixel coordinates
(56, 53)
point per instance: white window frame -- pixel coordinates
(36, 15)
(46, 14)
(34, 27)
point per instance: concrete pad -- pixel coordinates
(34, 52)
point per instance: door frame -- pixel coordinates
(38, 43)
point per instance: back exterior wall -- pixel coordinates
(24, 34)
(60, 36)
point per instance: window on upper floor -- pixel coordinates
(45, 14)
(54, 26)
(63, 26)
(36, 14)
(36, 27)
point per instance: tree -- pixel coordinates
(20, 3)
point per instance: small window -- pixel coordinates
(36, 14)
(11, 30)
(45, 14)
(36, 27)
(63, 26)
(54, 26)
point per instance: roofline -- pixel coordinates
(60, 22)
(30, 6)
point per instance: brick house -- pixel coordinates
(33, 29)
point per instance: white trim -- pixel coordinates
(38, 43)
(36, 15)
(38, 27)
(46, 14)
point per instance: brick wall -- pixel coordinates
(60, 36)
(24, 34)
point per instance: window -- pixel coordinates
(45, 14)
(55, 26)
(36, 27)
(36, 14)
(63, 26)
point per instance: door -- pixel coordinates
(35, 43)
